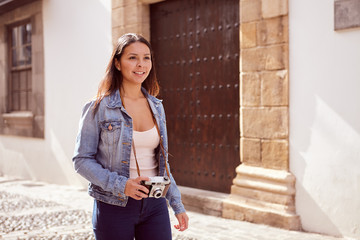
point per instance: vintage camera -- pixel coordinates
(158, 186)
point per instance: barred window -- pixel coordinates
(20, 67)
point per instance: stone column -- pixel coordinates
(264, 189)
(130, 16)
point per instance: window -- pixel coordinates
(20, 67)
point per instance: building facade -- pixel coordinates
(263, 87)
(68, 56)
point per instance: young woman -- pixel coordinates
(125, 126)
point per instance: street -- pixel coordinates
(35, 210)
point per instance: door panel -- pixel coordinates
(196, 45)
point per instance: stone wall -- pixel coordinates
(131, 16)
(264, 83)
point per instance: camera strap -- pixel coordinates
(161, 144)
(137, 165)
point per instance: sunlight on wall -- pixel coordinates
(331, 172)
(106, 4)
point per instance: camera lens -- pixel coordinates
(158, 193)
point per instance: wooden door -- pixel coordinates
(196, 45)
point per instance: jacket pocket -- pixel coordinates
(110, 136)
(110, 132)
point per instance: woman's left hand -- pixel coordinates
(183, 221)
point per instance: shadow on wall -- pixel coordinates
(324, 160)
(321, 221)
(64, 162)
(29, 158)
(12, 162)
(313, 218)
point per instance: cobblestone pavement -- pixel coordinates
(34, 210)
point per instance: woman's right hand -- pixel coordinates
(134, 189)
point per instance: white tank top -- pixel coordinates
(145, 144)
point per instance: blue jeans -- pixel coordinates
(144, 219)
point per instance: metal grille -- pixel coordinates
(196, 45)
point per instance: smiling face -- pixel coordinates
(135, 63)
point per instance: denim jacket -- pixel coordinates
(103, 147)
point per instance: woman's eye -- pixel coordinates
(132, 57)
(147, 58)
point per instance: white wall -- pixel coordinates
(77, 46)
(324, 119)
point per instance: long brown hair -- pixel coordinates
(113, 78)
